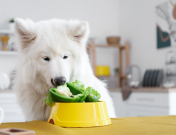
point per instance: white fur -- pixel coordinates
(54, 39)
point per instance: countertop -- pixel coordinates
(156, 125)
(147, 90)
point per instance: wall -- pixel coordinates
(102, 16)
(137, 21)
(134, 20)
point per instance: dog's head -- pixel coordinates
(51, 50)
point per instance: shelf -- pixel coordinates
(8, 53)
(6, 32)
(115, 76)
(149, 89)
(126, 47)
(112, 45)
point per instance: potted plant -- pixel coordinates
(11, 24)
(116, 71)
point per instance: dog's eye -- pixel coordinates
(65, 57)
(46, 58)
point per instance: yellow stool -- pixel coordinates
(87, 114)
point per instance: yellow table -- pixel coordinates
(157, 125)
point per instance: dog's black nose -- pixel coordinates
(59, 80)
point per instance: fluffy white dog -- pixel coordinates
(51, 53)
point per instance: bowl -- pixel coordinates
(113, 40)
(87, 114)
(102, 71)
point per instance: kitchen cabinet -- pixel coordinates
(145, 102)
(12, 111)
(119, 105)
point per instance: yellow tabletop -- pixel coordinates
(157, 125)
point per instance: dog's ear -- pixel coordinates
(25, 31)
(78, 31)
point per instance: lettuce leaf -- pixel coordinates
(90, 90)
(78, 84)
(49, 100)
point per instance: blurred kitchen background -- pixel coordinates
(132, 48)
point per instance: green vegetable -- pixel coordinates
(77, 84)
(75, 89)
(91, 98)
(62, 98)
(63, 90)
(49, 100)
(72, 92)
(92, 95)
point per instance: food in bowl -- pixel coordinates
(72, 92)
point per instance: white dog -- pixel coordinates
(51, 53)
